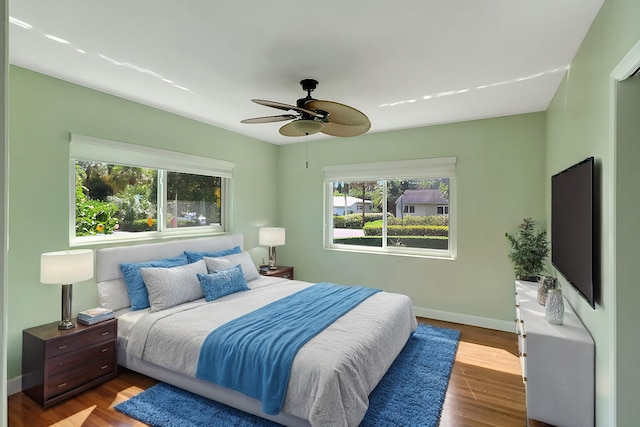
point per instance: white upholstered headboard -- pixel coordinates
(111, 288)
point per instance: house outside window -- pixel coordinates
(405, 199)
(421, 201)
(128, 192)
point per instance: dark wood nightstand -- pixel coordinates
(280, 271)
(59, 364)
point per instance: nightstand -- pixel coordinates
(59, 364)
(280, 271)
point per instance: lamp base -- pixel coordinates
(272, 258)
(66, 324)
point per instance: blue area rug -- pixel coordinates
(410, 394)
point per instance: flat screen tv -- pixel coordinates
(574, 251)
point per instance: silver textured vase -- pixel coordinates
(554, 308)
(544, 284)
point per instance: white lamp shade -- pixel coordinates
(65, 267)
(271, 236)
(308, 127)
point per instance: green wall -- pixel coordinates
(42, 113)
(500, 180)
(580, 124)
(627, 249)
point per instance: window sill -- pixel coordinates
(447, 256)
(93, 241)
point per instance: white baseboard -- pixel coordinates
(14, 385)
(465, 319)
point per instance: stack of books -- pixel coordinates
(95, 315)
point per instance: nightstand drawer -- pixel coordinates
(69, 361)
(58, 364)
(287, 275)
(80, 375)
(80, 340)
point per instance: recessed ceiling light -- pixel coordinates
(113, 61)
(19, 23)
(183, 88)
(56, 39)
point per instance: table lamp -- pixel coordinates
(66, 267)
(272, 237)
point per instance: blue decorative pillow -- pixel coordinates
(221, 283)
(197, 256)
(135, 283)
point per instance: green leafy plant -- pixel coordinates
(92, 216)
(529, 248)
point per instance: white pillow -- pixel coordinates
(243, 259)
(112, 294)
(169, 287)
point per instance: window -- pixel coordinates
(409, 207)
(443, 210)
(126, 192)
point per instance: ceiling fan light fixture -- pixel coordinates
(307, 127)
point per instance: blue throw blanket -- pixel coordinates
(253, 354)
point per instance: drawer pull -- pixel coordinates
(62, 347)
(105, 333)
(62, 385)
(104, 350)
(102, 368)
(60, 363)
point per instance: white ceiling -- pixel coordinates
(404, 64)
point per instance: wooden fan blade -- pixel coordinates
(339, 113)
(287, 107)
(269, 119)
(274, 104)
(335, 129)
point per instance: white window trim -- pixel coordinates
(402, 169)
(94, 149)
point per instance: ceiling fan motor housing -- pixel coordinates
(309, 85)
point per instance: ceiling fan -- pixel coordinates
(312, 116)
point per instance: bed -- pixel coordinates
(331, 375)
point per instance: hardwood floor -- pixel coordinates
(485, 389)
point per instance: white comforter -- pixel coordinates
(331, 376)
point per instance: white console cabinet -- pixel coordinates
(557, 363)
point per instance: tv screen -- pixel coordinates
(572, 228)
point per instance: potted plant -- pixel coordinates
(529, 248)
